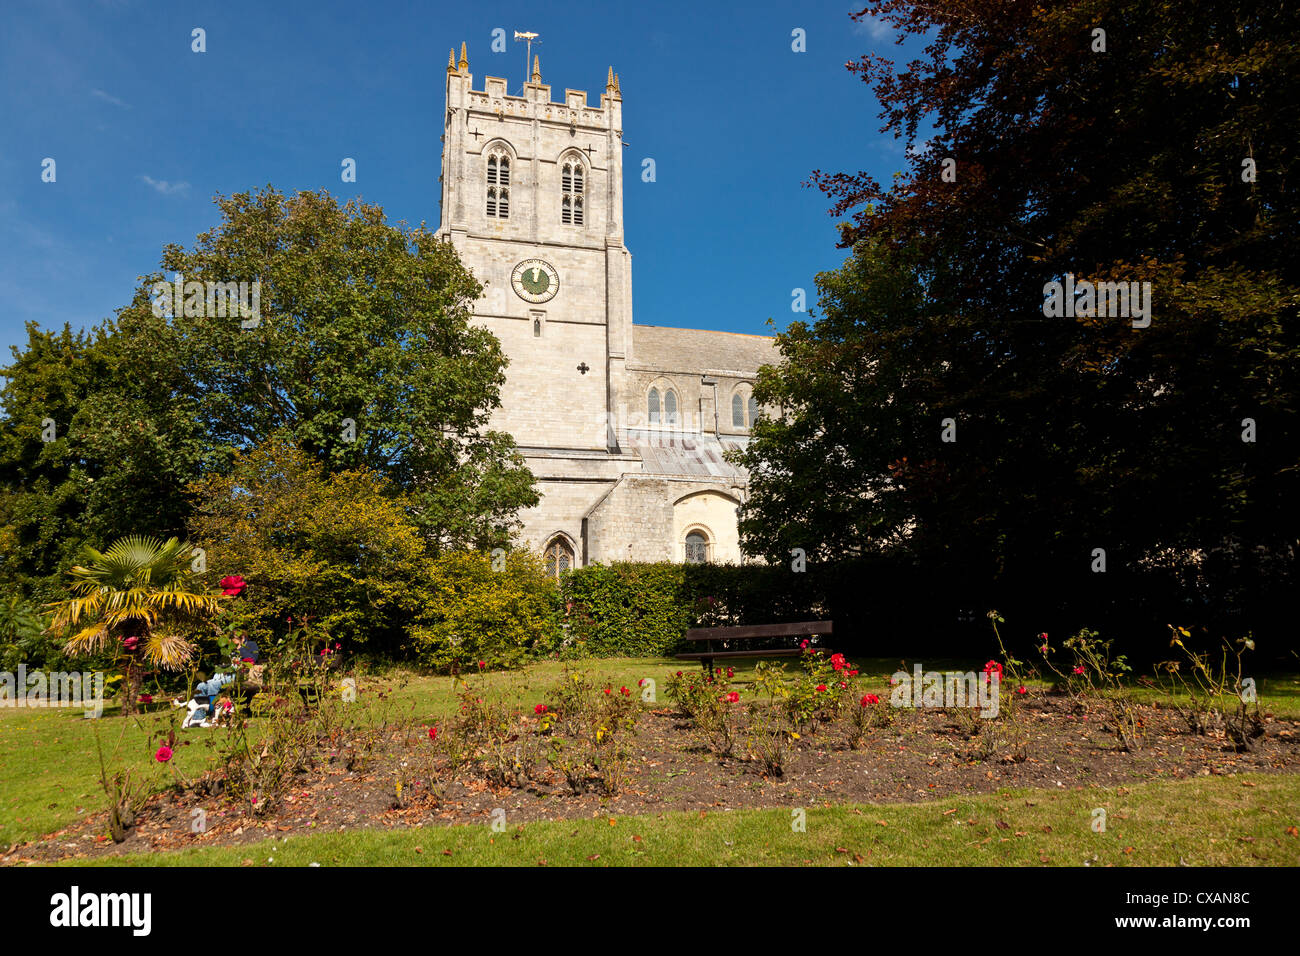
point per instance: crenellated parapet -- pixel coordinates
(535, 101)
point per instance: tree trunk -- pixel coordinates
(134, 681)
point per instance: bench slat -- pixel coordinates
(802, 628)
(756, 652)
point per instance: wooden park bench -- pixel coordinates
(729, 637)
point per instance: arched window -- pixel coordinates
(572, 188)
(558, 556)
(697, 548)
(498, 184)
(753, 411)
(737, 411)
(670, 408)
(653, 406)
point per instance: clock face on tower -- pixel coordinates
(535, 280)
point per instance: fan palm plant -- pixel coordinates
(138, 598)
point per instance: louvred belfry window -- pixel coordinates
(572, 188)
(498, 185)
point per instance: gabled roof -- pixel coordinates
(700, 350)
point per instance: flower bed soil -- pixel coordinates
(922, 757)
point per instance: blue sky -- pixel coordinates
(145, 132)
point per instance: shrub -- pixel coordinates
(595, 722)
(339, 549)
(23, 639)
(473, 613)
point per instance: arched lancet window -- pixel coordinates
(498, 184)
(572, 187)
(697, 548)
(753, 411)
(670, 408)
(652, 406)
(558, 556)
(737, 411)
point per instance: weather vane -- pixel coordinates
(528, 53)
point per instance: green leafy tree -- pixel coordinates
(93, 446)
(362, 353)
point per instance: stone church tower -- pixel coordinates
(623, 426)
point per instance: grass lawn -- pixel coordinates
(1220, 821)
(50, 769)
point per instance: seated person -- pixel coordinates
(202, 706)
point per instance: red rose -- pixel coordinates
(232, 585)
(1021, 689)
(433, 733)
(164, 754)
(870, 700)
(539, 709)
(733, 697)
(1078, 669)
(624, 691)
(609, 690)
(821, 688)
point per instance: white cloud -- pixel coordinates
(165, 188)
(109, 98)
(871, 27)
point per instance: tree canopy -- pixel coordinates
(354, 343)
(936, 412)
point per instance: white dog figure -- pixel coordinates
(211, 714)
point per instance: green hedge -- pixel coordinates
(643, 610)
